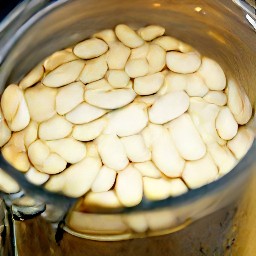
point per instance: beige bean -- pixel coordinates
(140, 52)
(55, 183)
(148, 100)
(186, 138)
(65, 74)
(216, 97)
(104, 180)
(127, 121)
(148, 84)
(117, 55)
(195, 86)
(200, 172)
(242, 142)
(14, 108)
(168, 107)
(151, 32)
(168, 43)
(107, 35)
(222, 157)
(89, 131)
(71, 150)
(128, 36)
(91, 149)
(136, 67)
(41, 102)
(5, 132)
(137, 222)
(129, 186)
(148, 169)
(36, 177)
(90, 48)
(68, 97)
(55, 128)
(117, 78)
(212, 74)
(238, 102)
(7, 183)
(32, 77)
(94, 70)
(226, 124)
(112, 152)
(58, 58)
(156, 64)
(183, 62)
(30, 133)
(177, 187)
(136, 149)
(84, 113)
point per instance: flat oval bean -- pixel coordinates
(7, 183)
(107, 35)
(140, 52)
(216, 97)
(156, 64)
(5, 132)
(136, 67)
(168, 43)
(117, 78)
(151, 32)
(195, 86)
(36, 177)
(137, 222)
(148, 169)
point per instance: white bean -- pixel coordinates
(30, 133)
(90, 48)
(241, 143)
(136, 67)
(107, 35)
(91, 149)
(177, 187)
(104, 180)
(226, 124)
(196, 86)
(117, 78)
(140, 52)
(216, 97)
(186, 138)
(84, 113)
(55, 128)
(127, 121)
(148, 84)
(156, 64)
(137, 222)
(128, 36)
(129, 186)
(64, 74)
(148, 100)
(41, 102)
(112, 152)
(167, 43)
(200, 172)
(5, 132)
(136, 149)
(168, 107)
(94, 70)
(148, 169)
(151, 32)
(14, 107)
(7, 183)
(212, 74)
(183, 62)
(36, 177)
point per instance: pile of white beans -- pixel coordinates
(122, 115)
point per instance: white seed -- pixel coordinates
(89, 131)
(226, 124)
(186, 138)
(140, 52)
(41, 102)
(107, 35)
(84, 113)
(30, 133)
(137, 222)
(64, 74)
(148, 100)
(241, 143)
(117, 55)
(15, 108)
(183, 62)
(151, 32)
(168, 107)
(32, 77)
(53, 164)
(104, 180)
(90, 48)
(238, 102)
(58, 58)
(212, 74)
(196, 86)
(216, 97)
(129, 186)
(136, 149)
(200, 172)
(94, 70)
(36, 177)
(55, 183)
(165, 155)
(177, 187)
(112, 152)
(148, 84)
(71, 150)
(117, 78)
(7, 183)
(148, 169)
(136, 67)
(69, 96)
(91, 149)
(55, 128)
(222, 157)
(5, 132)
(156, 58)
(167, 43)
(128, 36)
(127, 121)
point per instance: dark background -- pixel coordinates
(6, 6)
